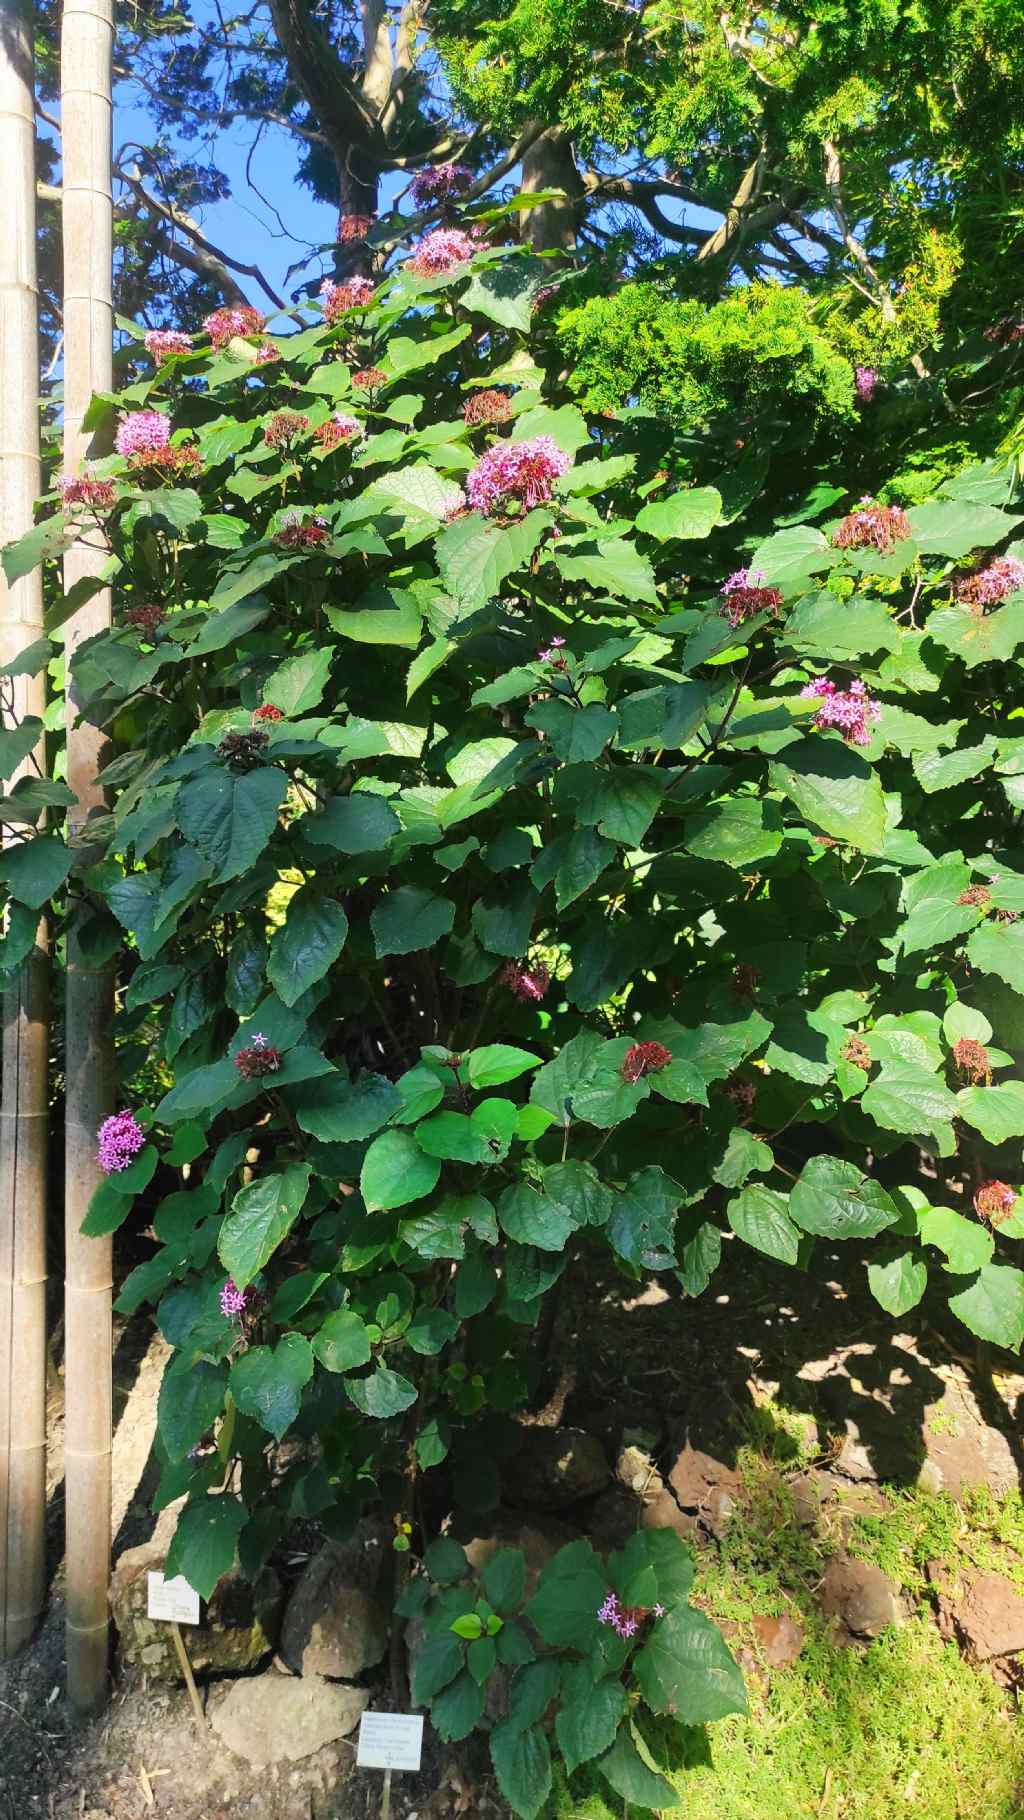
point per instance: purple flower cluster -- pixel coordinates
(119, 1139)
(625, 1620)
(232, 1300)
(354, 294)
(865, 383)
(141, 432)
(851, 711)
(744, 594)
(439, 182)
(872, 525)
(162, 343)
(525, 471)
(986, 587)
(441, 251)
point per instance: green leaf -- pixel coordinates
(191, 1399)
(307, 944)
(497, 1063)
(410, 919)
(997, 1112)
(451, 1136)
(933, 913)
(396, 1171)
(578, 735)
(992, 1306)
(505, 293)
(383, 1394)
(642, 1223)
(435, 1665)
(760, 1218)
(978, 638)
(565, 424)
(17, 742)
(522, 1765)
(404, 355)
(41, 544)
(534, 1219)
(341, 1112)
(944, 527)
(298, 684)
(35, 869)
(835, 1200)
(203, 1548)
(571, 1589)
(944, 770)
(445, 1560)
(474, 556)
(665, 716)
(790, 557)
(229, 818)
(614, 564)
(384, 616)
(685, 1669)
(736, 832)
(430, 1331)
(267, 1382)
(584, 1081)
(360, 823)
(908, 1098)
(630, 1777)
(589, 1717)
(897, 1280)
(694, 512)
(999, 948)
(835, 790)
(262, 1214)
(504, 928)
(966, 1244)
(342, 1344)
(458, 1710)
(504, 1579)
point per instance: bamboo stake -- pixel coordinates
(87, 224)
(23, 1104)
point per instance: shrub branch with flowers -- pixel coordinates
(520, 861)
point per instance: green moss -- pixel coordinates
(984, 1534)
(903, 1727)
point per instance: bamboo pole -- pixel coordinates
(23, 1099)
(87, 225)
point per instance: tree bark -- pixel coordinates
(549, 164)
(86, 47)
(24, 1097)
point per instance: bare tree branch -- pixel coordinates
(195, 236)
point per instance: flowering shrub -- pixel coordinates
(558, 921)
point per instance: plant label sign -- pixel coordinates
(174, 1601)
(390, 1741)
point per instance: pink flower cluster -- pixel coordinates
(851, 711)
(441, 251)
(224, 325)
(83, 490)
(744, 594)
(872, 524)
(625, 1620)
(865, 383)
(142, 433)
(284, 428)
(642, 1059)
(295, 534)
(119, 1139)
(525, 471)
(526, 980)
(354, 227)
(994, 1201)
(439, 182)
(354, 294)
(369, 379)
(338, 429)
(232, 1300)
(986, 587)
(162, 343)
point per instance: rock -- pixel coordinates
(334, 1624)
(706, 1487)
(664, 1513)
(239, 1628)
(963, 1450)
(613, 1518)
(989, 1620)
(781, 1639)
(555, 1467)
(269, 1720)
(858, 1593)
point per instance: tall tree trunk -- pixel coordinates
(23, 1101)
(86, 47)
(549, 164)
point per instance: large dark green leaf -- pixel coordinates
(685, 1669)
(229, 817)
(261, 1216)
(307, 944)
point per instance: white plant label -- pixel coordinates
(174, 1601)
(390, 1741)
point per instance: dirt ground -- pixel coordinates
(902, 1403)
